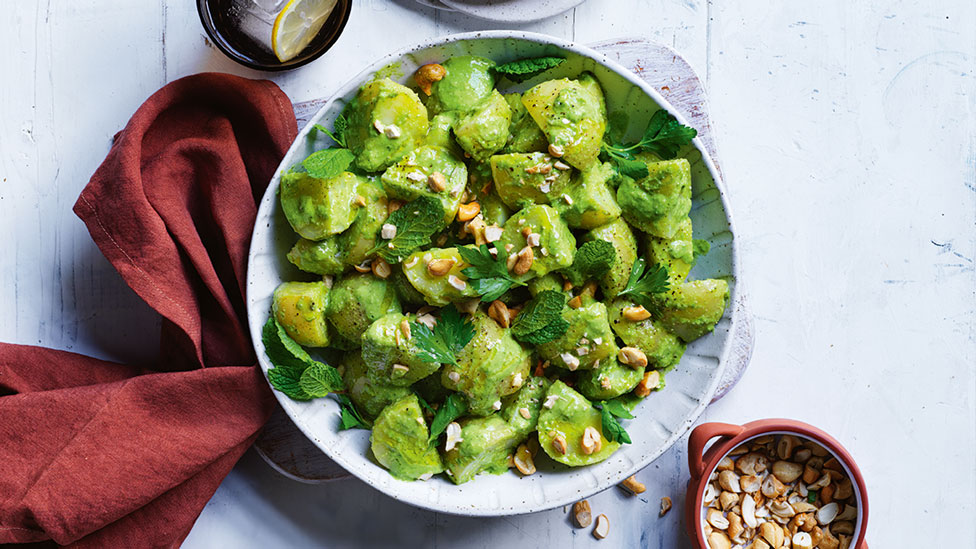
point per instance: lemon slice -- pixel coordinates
(297, 25)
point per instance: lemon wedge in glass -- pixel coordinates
(297, 25)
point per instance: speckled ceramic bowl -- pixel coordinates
(661, 419)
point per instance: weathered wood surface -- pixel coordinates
(291, 453)
(847, 137)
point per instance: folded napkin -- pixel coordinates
(98, 454)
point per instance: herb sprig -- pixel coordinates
(338, 133)
(349, 417)
(641, 286)
(488, 275)
(442, 344)
(454, 407)
(524, 69)
(541, 320)
(610, 411)
(592, 260)
(664, 136)
(330, 162)
(416, 222)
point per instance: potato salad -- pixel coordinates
(488, 274)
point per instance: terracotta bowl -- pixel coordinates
(702, 463)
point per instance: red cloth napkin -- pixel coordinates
(98, 454)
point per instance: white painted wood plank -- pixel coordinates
(849, 129)
(67, 89)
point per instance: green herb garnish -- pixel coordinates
(488, 275)
(541, 320)
(318, 380)
(416, 223)
(609, 412)
(338, 134)
(593, 259)
(454, 407)
(524, 69)
(349, 417)
(328, 163)
(291, 363)
(642, 286)
(442, 344)
(664, 136)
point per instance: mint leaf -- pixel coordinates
(318, 380)
(592, 260)
(282, 351)
(541, 319)
(340, 125)
(288, 381)
(487, 275)
(416, 223)
(664, 135)
(328, 163)
(524, 69)
(551, 331)
(349, 417)
(642, 286)
(442, 344)
(611, 426)
(454, 407)
(295, 373)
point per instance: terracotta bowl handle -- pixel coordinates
(700, 437)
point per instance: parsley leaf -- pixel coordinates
(641, 286)
(541, 320)
(328, 163)
(295, 373)
(632, 168)
(340, 125)
(664, 136)
(524, 69)
(416, 223)
(442, 344)
(454, 407)
(611, 425)
(487, 275)
(349, 417)
(593, 259)
(318, 380)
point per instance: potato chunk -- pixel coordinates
(561, 427)
(572, 115)
(386, 121)
(300, 309)
(399, 441)
(318, 208)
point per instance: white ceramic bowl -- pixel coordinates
(661, 419)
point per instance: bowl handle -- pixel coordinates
(700, 437)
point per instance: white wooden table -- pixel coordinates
(847, 137)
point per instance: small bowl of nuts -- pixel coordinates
(773, 483)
